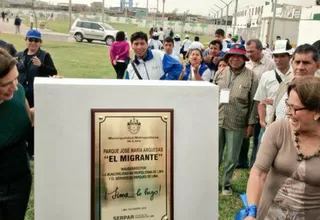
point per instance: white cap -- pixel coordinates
(177, 36)
(187, 36)
(155, 34)
(281, 46)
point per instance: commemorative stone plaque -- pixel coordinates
(132, 164)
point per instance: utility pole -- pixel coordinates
(235, 18)
(70, 13)
(157, 13)
(163, 3)
(125, 11)
(215, 16)
(227, 18)
(147, 12)
(274, 7)
(221, 14)
(102, 11)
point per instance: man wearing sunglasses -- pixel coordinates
(33, 62)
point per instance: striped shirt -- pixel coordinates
(241, 109)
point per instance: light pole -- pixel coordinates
(221, 14)
(216, 17)
(272, 22)
(147, 12)
(235, 17)
(227, 18)
(163, 3)
(102, 11)
(70, 12)
(157, 13)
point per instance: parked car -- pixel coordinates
(91, 30)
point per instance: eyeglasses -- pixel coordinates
(292, 109)
(36, 40)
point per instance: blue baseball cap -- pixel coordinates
(33, 34)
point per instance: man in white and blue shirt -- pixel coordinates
(151, 64)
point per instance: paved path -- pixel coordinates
(9, 28)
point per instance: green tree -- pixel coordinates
(182, 25)
(193, 25)
(183, 20)
(129, 20)
(203, 26)
(149, 22)
(172, 24)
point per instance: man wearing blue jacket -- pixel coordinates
(151, 64)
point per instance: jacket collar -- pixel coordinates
(148, 56)
(203, 67)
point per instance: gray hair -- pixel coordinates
(257, 42)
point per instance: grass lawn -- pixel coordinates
(92, 61)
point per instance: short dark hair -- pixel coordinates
(196, 38)
(307, 88)
(317, 45)
(7, 63)
(168, 40)
(257, 42)
(220, 32)
(121, 36)
(306, 49)
(139, 35)
(214, 42)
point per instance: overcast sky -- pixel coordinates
(195, 6)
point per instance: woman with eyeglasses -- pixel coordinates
(16, 119)
(33, 62)
(284, 182)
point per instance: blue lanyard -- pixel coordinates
(230, 81)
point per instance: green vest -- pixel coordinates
(14, 127)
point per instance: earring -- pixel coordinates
(316, 119)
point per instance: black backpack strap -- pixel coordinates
(278, 77)
(135, 70)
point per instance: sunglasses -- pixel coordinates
(36, 40)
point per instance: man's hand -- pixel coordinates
(208, 59)
(57, 76)
(267, 101)
(263, 124)
(216, 59)
(249, 131)
(36, 61)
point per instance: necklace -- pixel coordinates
(300, 155)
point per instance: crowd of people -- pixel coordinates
(270, 95)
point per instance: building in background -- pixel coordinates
(309, 25)
(126, 4)
(255, 22)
